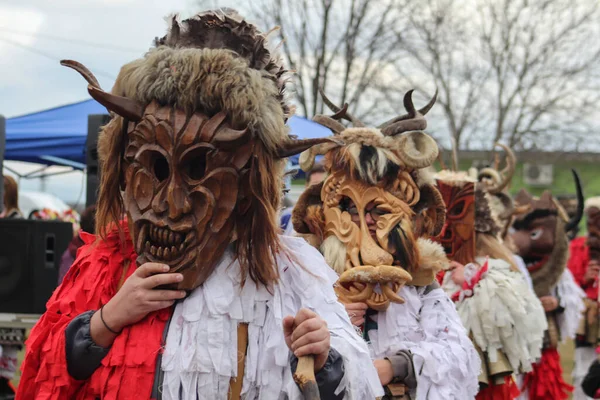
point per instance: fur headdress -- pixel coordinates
(214, 89)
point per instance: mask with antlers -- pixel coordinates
(495, 182)
(374, 211)
(197, 135)
(540, 235)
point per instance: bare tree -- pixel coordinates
(542, 54)
(344, 46)
(520, 71)
(438, 45)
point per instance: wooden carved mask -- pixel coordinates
(458, 234)
(376, 230)
(183, 180)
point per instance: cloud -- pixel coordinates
(32, 78)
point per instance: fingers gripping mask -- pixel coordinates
(375, 227)
(458, 234)
(182, 185)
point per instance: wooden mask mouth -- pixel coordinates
(163, 245)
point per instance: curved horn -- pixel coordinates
(507, 173)
(417, 149)
(339, 111)
(413, 121)
(293, 147)
(429, 105)
(573, 222)
(82, 69)
(329, 122)
(126, 108)
(123, 106)
(307, 157)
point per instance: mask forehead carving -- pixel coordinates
(458, 235)
(181, 188)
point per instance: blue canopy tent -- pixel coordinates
(57, 136)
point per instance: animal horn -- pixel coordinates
(122, 106)
(412, 121)
(573, 222)
(340, 112)
(82, 69)
(507, 173)
(293, 147)
(329, 122)
(126, 108)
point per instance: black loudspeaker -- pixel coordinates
(95, 124)
(30, 253)
(2, 150)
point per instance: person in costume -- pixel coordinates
(584, 264)
(503, 317)
(496, 182)
(372, 218)
(540, 235)
(194, 295)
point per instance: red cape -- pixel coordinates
(127, 372)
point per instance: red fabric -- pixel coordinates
(507, 391)
(127, 372)
(440, 276)
(546, 380)
(468, 286)
(578, 261)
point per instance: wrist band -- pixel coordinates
(105, 324)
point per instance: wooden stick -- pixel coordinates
(305, 378)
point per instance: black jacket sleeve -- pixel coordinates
(83, 355)
(329, 377)
(591, 382)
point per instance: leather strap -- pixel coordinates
(235, 385)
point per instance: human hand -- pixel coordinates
(458, 272)
(592, 271)
(307, 334)
(384, 370)
(356, 312)
(137, 297)
(550, 303)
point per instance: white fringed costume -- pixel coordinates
(209, 318)
(445, 362)
(501, 313)
(570, 298)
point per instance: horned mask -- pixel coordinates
(540, 235)
(373, 213)
(190, 121)
(495, 182)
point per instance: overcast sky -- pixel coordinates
(31, 78)
(104, 34)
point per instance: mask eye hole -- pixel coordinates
(536, 234)
(193, 164)
(161, 167)
(457, 209)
